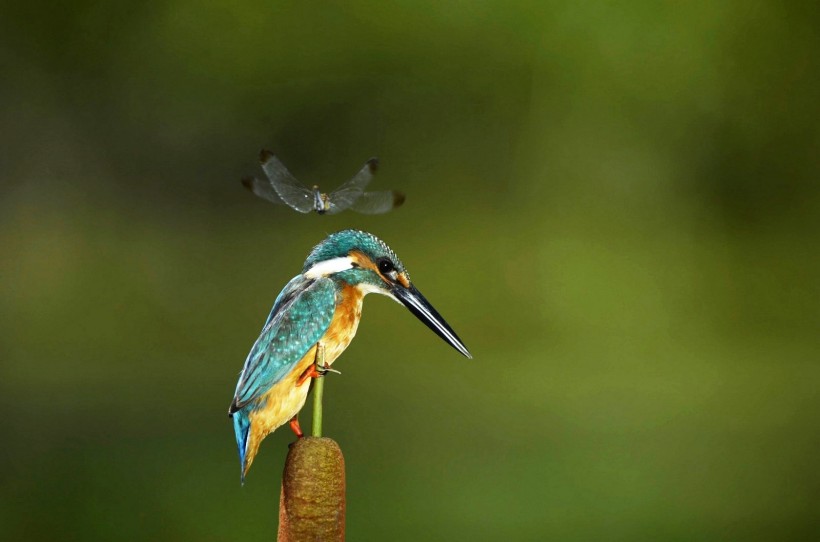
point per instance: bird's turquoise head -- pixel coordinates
(363, 260)
(358, 258)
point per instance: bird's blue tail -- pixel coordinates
(241, 426)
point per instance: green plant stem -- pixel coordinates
(318, 390)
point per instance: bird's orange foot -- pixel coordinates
(294, 426)
(315, 371)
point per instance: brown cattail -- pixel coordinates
(312, 501)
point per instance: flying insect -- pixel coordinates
(283, 188)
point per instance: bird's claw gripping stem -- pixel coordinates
(324, 369)
(315, 371)
(318, 368)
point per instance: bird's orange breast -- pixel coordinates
(344, 324)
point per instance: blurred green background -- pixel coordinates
(615, 207)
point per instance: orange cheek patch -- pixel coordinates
(363, 261)
(403, 280)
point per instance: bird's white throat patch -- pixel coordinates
(328, 267)
(366, 288)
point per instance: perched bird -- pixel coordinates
(319, 309)
(283, 188)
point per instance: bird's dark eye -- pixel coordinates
(385, 266)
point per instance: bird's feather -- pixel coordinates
(300, 316)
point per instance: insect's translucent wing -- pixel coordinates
(374, 203)
(291, 191)
(300, 316)
(263, 189)
(344, 196)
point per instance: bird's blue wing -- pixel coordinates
(288, 292)
(300, 316)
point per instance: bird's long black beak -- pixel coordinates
(424, 311)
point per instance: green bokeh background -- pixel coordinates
(615, 206)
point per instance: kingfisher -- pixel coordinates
(313, 320)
